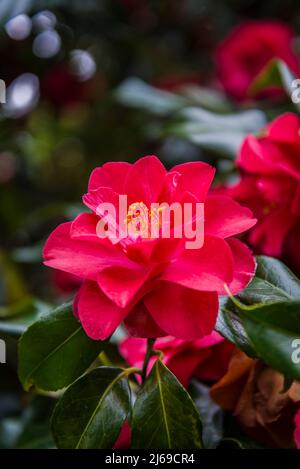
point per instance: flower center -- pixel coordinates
(142, 222)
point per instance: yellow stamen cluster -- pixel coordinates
(140, 219)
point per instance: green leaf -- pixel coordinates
(230, 326)
(219, 133)
(164, 415)
(93, 410)
(208, 98)
(264, 320)
(272, 329)
(55, 350)
(244, 121)
(137, 94)
(273, 282)
(275, 74)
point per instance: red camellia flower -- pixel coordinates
(206, 358)
(156, 286)
(248, 49)
(270, 186)
(297, 430)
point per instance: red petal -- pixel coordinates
(112, 174)
(82, 258)
(98, 315)
(244, 265)
(195, 177)
(121, 284)
(285, 129)
(93, 199)
(84, 227)
(224, 217)
(182, 312)
(145, 180)
(269, 235)
(204, 269)
(140, 323)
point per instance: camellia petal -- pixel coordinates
(224, 217)
(207, 268)
(122, 284)
(195, 177)
(182, 312)
(145, 180)
(284, 129)
(84, 227)
(103, 195)
(243, 265)
(140, 323)
(98, 315)
(81, 258)
(270, 234)
(111, 175)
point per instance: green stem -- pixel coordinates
(130, 371)
(149, 353)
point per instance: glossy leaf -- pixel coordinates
(230, 326)
(164, 415)
(93, 410)
(273, 282)
(264, 320)
(272, 329)
(55, 350)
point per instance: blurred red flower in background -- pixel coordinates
(270, 186)
(62, 88)
(155, 285)
(206, 358)
(247, 50)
